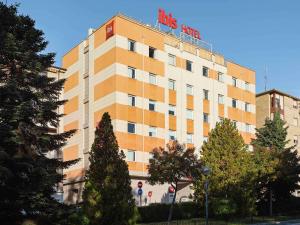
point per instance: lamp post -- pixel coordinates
(206, 171)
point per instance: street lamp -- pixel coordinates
(206, 171)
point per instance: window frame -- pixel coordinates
(173, 82)
(220, 96)
(235, 103)
(131, 74)
(152, 102)
(173, 61)
(205, 117)
(234, 81)
(189, 65)
(205, 94)
(191, 88)
(205, 71)
(133, 127)
(172, 108)
(133, 42)
(152, 133)
(131, 99)
(153, 76)
(191, 139)
(189, 114)
(134, 157)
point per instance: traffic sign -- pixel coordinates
(140, 191)
(140, 184)
(149, 194)
(171, 189)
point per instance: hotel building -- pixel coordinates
(156, 87)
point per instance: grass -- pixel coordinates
(244, 221)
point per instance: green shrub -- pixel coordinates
(159, 212)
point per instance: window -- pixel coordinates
(234, 103)
(295, 140)
(247, 107)
(205, 94)
(131, 100)
(151, 52)
(205, 71)
(152, 78)
(172, 84)
(130, 127)
(131, 72)
(234, 123)
(234, 81)
(172, 135)
(130, 156)
(151, 105)
(277, 103)
(220, 99)
(247, 127)
(205, 139)
(247, 87)
(151, 154)
(189, 89)
(220, 77)
(295, 122)
(172, 110)
(131, 45)
(172, 60)
(205, 118)
(189, 65)
(189, 138)
(189, 114)
(152, 131)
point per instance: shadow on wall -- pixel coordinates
(73, 192)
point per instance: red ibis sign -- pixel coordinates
(170, 21)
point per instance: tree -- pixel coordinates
(172, 166)
(107, 196)
(232, 170)
(280, 183)
(28, 110)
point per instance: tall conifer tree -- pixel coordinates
(28, 109)
(107, 197)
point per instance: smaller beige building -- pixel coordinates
(269, 102)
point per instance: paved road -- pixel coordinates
(288, 222)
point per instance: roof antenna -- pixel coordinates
(266, 77)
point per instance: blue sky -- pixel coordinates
(254, 33)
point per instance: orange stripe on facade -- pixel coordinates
(132, 114)
(71, 126)
(70, 153)
(128, 85)
(213, 74)
(100, 34)
(206, 106)
(240, 94)
(74, 174)
(71, 57)
(240, 115)
(190, 126)
(71, 105)
(190, 102)
(240, 72)
(221, 109)
(71, 82)
(172, 97)
(137, 166)
(172, 122)
(247, 137)
(206, 129)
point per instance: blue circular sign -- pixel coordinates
(140, 191)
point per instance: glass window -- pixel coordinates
(234, 123)
(131, 100)
(234, 103)
(234, 82)
(151, 105)
(172, 110)
(205, 71)
(247, 127)
(189, 65)
(189, 89)
(189, 114)
(247, 107)
(205, 94)
(131, 127)
(131, 72)
(151, 52)
(172, 60)
(205, 118)
(247, 87)
(152, 131)
(172, 135)
(152, 78)
(172, 84)
(131, 45)
(220, 99)
(189, 138)
(220, 77)
(130, 156)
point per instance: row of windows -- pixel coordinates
(132, 48)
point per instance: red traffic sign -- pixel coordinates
(149, 194)
(140, 184)
(171, 189)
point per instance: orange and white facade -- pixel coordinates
(155, 87)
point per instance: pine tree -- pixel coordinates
(28, 109)
(232, 170)
(107, 197)
(284, 179)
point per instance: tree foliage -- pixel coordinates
(107, 197)
(172, 165)
(232, 170)
(28, 111)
